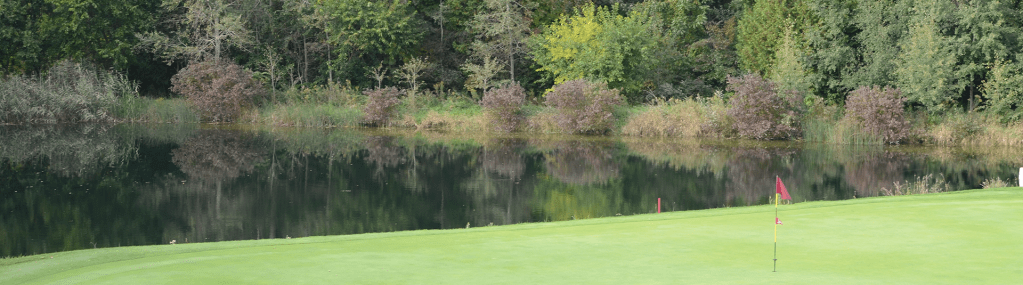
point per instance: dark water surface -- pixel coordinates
(73, 187)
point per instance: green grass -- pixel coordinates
(309, 115)
(969, 237)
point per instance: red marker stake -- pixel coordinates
(658, 205)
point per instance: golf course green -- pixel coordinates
(965, 237)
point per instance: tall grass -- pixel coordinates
(826, 123)
(973, 129)
(330, 94)
(67, 92)
(926, 184)
(306, 115)
(687, 118)
(169, 111)
(456, 112)
(997, 183)
(141, 109)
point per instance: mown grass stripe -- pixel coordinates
(950, 238)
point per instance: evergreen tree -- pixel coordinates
(927, 72)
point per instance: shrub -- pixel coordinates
(503, 106)
(381, 105)
(218, 91)
(759, 112)
(68, 92)
(584, 107)
(879, 112)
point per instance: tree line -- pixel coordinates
(941, 55)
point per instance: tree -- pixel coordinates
(762, 25)
(598, 44)
(986, 35)
(883, 24)
(680, 32)
(1003, 90)
(410, 73)
(927, 71)
(832, 48)
(713, 58)
(206, 28)
(788, 73)
(501, 32)
(36, 34)
(272, 67)
(481, 74)
(369, 33)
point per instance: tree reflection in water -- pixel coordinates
(129, 185)
(210, 159)
(580, 162)
(216, 156)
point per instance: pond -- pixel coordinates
(88, 186)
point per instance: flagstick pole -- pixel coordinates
(776, 232)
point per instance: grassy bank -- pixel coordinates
(949, 238)
(687, 118)
(72, 93)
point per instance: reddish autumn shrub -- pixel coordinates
(584, 107)
(879, 112)
(759, 111)
(504, 106)
(218, 91)
(381, 105)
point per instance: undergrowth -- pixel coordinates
(68, 92)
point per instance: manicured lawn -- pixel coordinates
(969, 237)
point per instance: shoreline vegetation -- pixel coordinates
(75, 93)
(967, 232)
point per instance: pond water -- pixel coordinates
(84, 186)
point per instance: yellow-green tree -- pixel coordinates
(598, 44)
(788, 72)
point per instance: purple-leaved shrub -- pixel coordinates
(584, 107)
(219, 91)
(504, 106)
(879, 111)
(381, 105)
(758, 110)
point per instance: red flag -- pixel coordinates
(780, 189)
(777, 221)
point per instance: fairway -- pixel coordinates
(967, 237)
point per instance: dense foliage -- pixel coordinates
(382, 105)
(69, 92)
(879, 111)
(760, 112)
(219, 91)
(504, 106)
(944, 56)
(583, 107)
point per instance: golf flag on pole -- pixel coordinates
(779, 188)
(779, 193)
